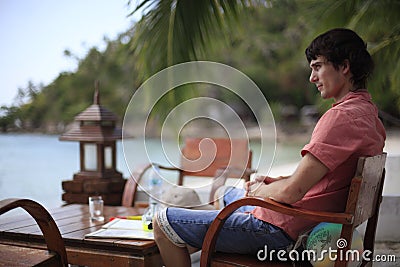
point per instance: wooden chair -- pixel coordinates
(363, 204)
(23, 256)
(232, 159)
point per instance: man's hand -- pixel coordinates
(289, 189)
(253, 188)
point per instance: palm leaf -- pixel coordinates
(175, 31)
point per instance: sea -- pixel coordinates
(34, 165)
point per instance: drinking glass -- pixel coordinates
(96, 205)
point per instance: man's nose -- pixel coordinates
(313, 77)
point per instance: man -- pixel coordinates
(340, 66)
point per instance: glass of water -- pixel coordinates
(96, 205)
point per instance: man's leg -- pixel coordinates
(174, 250)
(175, 228)
(171, 254)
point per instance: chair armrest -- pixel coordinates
(46, 223)
(215, 227)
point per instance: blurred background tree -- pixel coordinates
(263, 39)
(266, 40)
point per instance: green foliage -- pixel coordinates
(263, 39)
(267, 47)
(268, 40)
(7, 117)
(172, 31)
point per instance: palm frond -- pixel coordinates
(175, 31)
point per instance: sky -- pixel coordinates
(35, 33)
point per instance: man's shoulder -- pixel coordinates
(355, 99)
(355, 105)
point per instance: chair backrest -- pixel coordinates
(51, 234)
(131, 185)
(204, 156)
(217, 158)
(365, 197)
(366, 188)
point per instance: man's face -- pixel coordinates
(330, 82)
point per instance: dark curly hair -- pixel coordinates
(339, 44)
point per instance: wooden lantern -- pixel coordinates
(95, 130)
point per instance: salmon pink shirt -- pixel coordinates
(347, 131)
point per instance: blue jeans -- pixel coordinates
(242, 233)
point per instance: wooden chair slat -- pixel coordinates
(228, 152)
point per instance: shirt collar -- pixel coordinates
(360, 93)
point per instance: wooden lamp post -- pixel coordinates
(96, 131)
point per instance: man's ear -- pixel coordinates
(346, 66)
